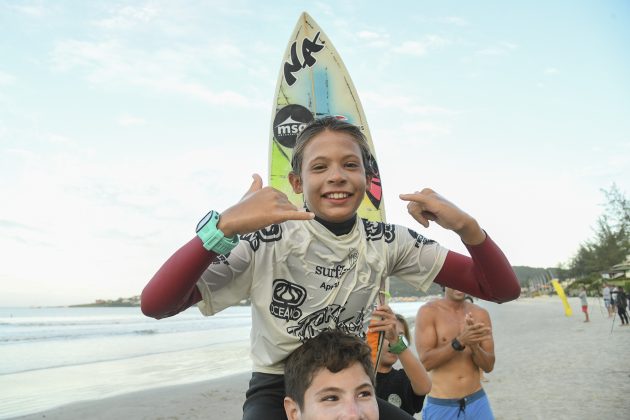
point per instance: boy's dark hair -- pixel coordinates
(332, 350)
(335, 124)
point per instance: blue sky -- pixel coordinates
(122, 123)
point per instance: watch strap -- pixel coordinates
(212, 237)
(457, 346)
(399, 346)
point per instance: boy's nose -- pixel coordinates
(351, 411)
(336, 174)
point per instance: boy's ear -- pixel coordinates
(296, 182)
(291, 409)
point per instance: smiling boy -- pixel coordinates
(330, 377)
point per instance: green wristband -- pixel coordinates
(213, 239)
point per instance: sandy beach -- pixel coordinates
(548, 366)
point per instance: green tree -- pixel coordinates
(611, 242)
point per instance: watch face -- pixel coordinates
(204, 221)
(404, 340)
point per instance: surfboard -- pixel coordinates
(313, 82)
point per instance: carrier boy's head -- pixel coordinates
(330, 376)
(331, 166)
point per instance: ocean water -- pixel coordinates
(55, 356)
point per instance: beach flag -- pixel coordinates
(563, 297)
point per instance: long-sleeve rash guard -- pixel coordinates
(487, 274)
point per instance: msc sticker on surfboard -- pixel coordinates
(313, 82)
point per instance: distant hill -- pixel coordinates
(525, 273)
(399, 288)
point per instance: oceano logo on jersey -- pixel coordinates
(286, 299)
(288, 123)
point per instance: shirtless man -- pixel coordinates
(454, 340)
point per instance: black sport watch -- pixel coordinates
(457, 346)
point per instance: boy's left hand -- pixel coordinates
(427, 205)
(383, 319)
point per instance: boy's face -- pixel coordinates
(347, 394)
(455, 295)
(333, 178)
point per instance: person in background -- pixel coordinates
(404, 388)
(621, 301)
(607, 299)
(584, 302)
(454, 340)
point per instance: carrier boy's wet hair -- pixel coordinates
(332, 350)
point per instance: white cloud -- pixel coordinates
(58, 139)
(6, 78)
(164, 70)
(130, 120)
(498, 49)
(33, 10)
(128, 16)
(454, 20)
(426, 127)
(420, 48)
(403, 103)
(373, 39)
(551, 71)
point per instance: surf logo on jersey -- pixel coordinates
(271, 233)
(327, 318)
(337, 271)
(286, 299)
(321, 320)
(309, 47)
(378, 230)
(289, 122)
(420, 240)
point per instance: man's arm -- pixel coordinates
(431, 355)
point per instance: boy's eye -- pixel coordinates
(330, 398)
(318, 167)
(352, 164)
(365, 394)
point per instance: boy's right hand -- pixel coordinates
(259, 207)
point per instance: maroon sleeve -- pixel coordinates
(173, 288)
(487, 275)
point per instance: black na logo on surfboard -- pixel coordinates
(309, 47)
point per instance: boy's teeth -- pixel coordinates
(337, 195)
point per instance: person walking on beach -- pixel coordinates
(307, 271)
(454, 340)
(404, 388)
(607, 299)
(584, 302)
(621, 300)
